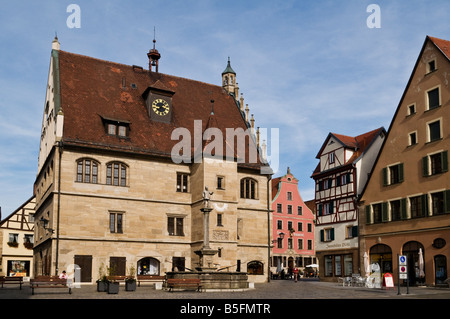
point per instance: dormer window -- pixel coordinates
(118, 128)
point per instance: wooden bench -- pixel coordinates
(48, 282)
(149, 278)
(11, 280)
(116, 278)
(184, 283)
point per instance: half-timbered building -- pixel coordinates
(344, 164)
(17, 238)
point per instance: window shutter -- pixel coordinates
(385, 176)
(322, 235)
(401, 175)
(331, 207)
(320, 209)
(320, 185)
(444, 161)
(425, 166)
(384, 212)
(368, 217)
(425, 205)
(330, 182)
(447, 201)
(332, 234)
(338, 181)
(403, 208)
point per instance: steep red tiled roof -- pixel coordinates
(92, 89)
(443, 45)
(359, 144)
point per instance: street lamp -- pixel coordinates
(44, 222)
(280, 235)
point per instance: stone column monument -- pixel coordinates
(206, 253)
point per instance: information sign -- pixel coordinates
(388, 280)
(402, 267)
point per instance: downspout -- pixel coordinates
(269, 227)
(60, 148)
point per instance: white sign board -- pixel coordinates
(402, 267)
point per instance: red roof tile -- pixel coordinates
(92, 89)
(443, 45)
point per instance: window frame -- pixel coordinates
(248, 188)
(182, 182)
(88, 173)
(112, 177)
(427, 97)
(116, 227)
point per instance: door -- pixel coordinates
(118, 266)
(84, 263)
(440, 269)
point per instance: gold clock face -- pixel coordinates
(160, 107)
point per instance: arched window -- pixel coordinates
(249, 188)
(148, 266)
(381, 254)
(87, 171)
(255, 268)
(116, 174)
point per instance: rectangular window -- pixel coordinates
(13, 238)
(309, 226)
(377, 213)
(111, 129)
(289, 195)
(219, 219)
(412, 138)
(116, 222)
(289, 209)
(279, 224)
(437, 203)
(290, 226)
(435, 164)
(279, 243)
(220, 182)
(337, 266)
(290, 243)
(300, 243)
(417, 206)
(175, 226)
(279, 208)
(299, 210)
(328, 266)
(431, 66)
(393, 174)
(433, 98)
(395, 210)
(182, 182)
(80, 171)
(299, 226)
(412, 109)
(327, 234)
(434, 131)
(310, 244)
(122, 131)
(331, 158)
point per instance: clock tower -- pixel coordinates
(158, 99)
(229, 78)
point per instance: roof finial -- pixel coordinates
(153, 54)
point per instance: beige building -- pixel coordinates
(404, 209)
(113, 189)
(17, 237)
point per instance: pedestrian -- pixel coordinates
(63, 275)
(295, 273)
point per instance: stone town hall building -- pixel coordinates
(109, 193)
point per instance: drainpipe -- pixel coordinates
(269, 227)
(60, 149)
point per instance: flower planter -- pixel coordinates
(113, 287)
(102, 286)
(130, 285)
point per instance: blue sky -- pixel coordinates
(305, 67)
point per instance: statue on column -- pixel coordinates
(206, 197)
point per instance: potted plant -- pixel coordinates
(102, 281)
(130, 281)
(113, 285)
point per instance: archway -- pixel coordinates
(381, 254)
(411, 250)
(148, 266)
(440, 269)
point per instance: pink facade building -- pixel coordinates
(293, 227)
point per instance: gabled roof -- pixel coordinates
(442, 45)
(92, 89)
(359, 144)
